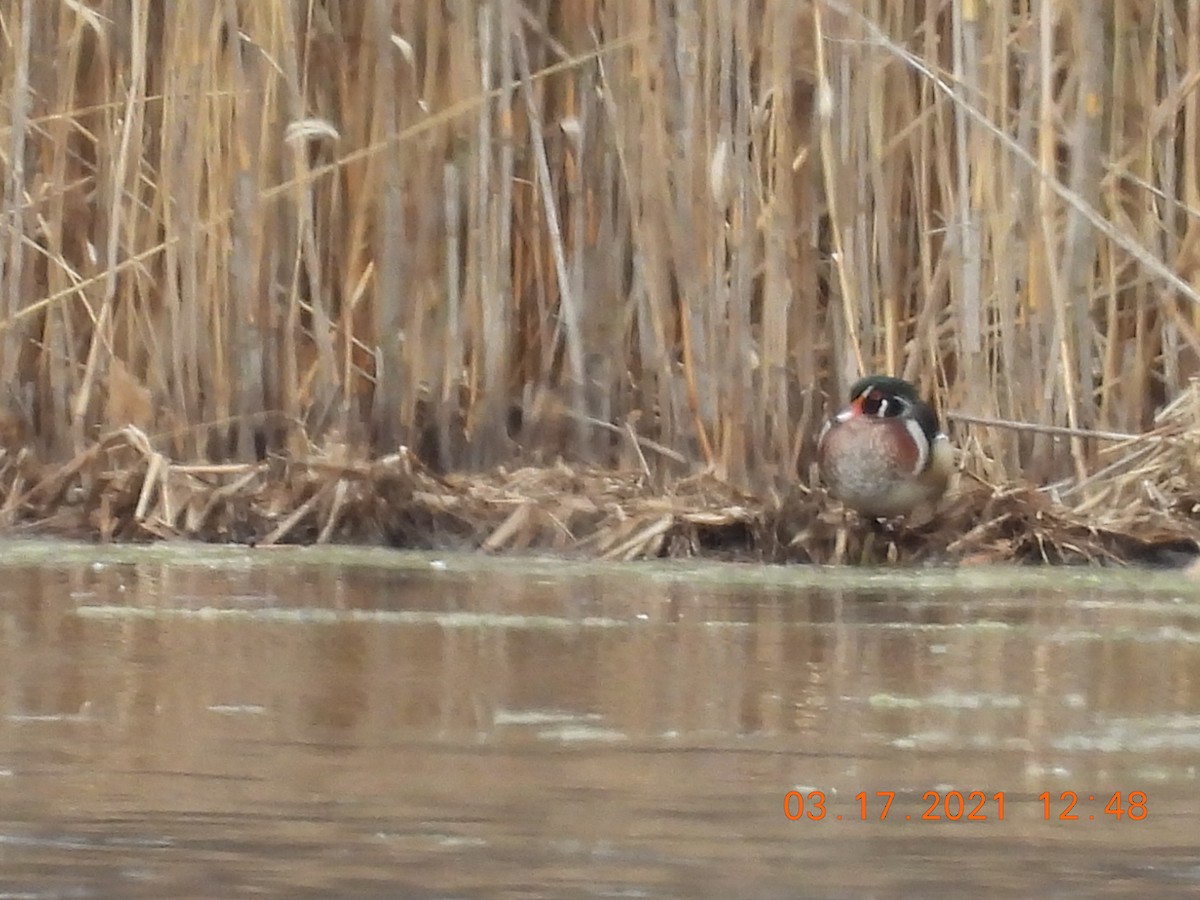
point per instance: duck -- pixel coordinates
(884, 454)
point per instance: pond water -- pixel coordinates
(180, 721)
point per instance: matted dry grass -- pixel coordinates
(123, 489)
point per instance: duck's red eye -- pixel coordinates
(878, 403)
(874, 403)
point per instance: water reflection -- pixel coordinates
(207, 727)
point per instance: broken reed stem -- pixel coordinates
(628, 429)
(1055, 430)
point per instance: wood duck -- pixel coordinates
(884, 454)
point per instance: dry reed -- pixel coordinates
(242, 239)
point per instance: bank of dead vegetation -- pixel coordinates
(586, 277)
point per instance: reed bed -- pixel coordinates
(588, 275)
